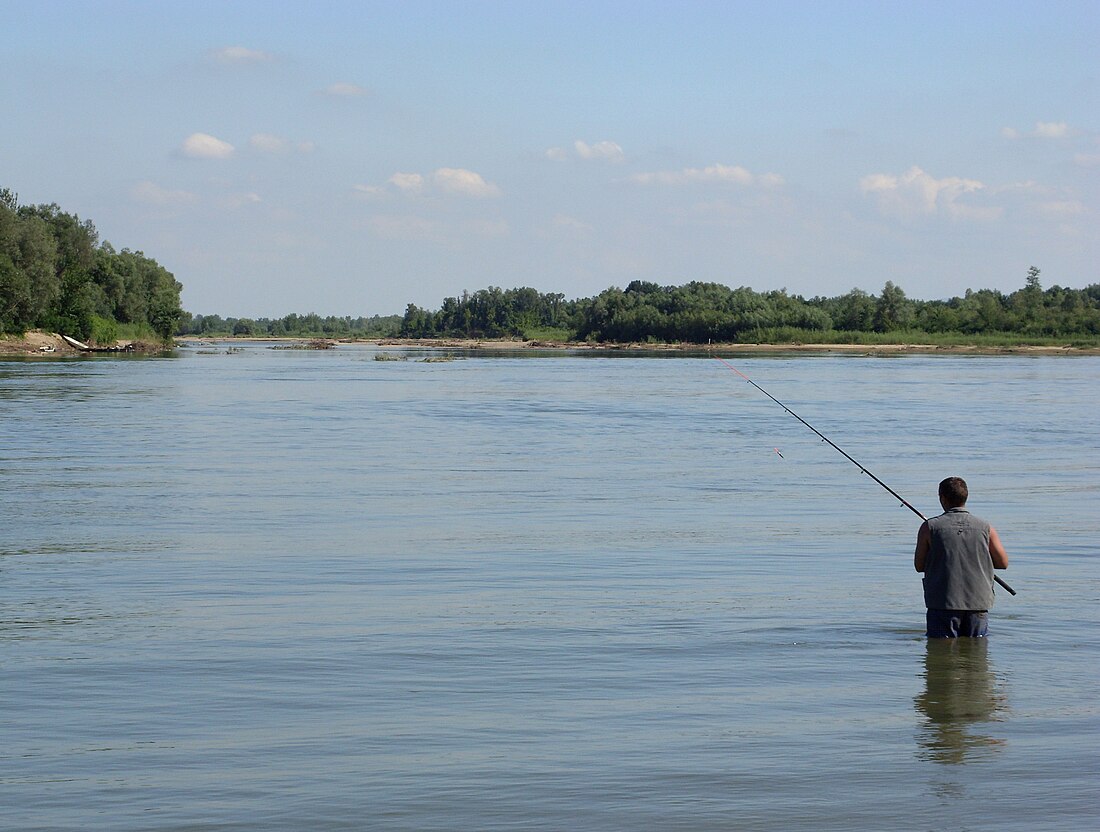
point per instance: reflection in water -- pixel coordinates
(960, 693)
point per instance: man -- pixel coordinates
(957, 552)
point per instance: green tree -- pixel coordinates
(165, 311)
(35, 255)
(417, 323)
(893, 311)
(16, 298)
(1032, 281)
(855, 311)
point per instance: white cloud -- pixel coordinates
(205, 146)
(606, 151)
(1043, 130)
(568, 223)
(240, 55)
(278, 145)
(917, 193)
(151, 193)
(371, 191)
(345, 89)
(407, 182)
(715, 174)
(464, 183)
(1027, 186)
(454, 181)
(1087, 160)
(268, 143)
(1051, 129)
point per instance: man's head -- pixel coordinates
(953, 492)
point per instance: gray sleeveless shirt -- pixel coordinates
(958, 571)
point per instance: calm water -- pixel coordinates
(285, 590)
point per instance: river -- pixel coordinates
(247, 588)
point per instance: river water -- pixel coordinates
(287, 590)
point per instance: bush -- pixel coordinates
(104, 331)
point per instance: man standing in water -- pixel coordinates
(957, 552)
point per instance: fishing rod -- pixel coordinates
(843, 453)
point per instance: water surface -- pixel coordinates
(291, 590)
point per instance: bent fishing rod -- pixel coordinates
(843, 453)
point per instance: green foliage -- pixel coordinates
(291, 326)
(703, 313)
(104, 331)
(54, 274)
(136, 332)
(16, 298)
(547, 333)
(489, 313)
(893, 310)
(244, 326)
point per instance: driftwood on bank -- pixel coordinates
(127, 347)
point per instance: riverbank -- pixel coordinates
(36, 343)
(736, 348)
(508, 344)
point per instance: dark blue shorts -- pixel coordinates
(956, 623)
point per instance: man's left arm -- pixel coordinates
(997, 550)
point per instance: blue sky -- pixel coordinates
(349, 158)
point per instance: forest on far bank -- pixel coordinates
(56, 275)
(702, 313)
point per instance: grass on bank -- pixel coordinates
(792, 335)
(105, 332)
(548, 333)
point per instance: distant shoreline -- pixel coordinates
(499, 344)
(46, 345)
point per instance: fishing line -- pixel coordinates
(844, 453)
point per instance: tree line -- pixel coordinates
(699, 312)
(56, 275)
(292, 326)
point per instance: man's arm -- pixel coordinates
(997, 551)
(924, 541)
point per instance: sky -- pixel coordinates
(351, 158)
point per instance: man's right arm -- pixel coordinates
(924, 542)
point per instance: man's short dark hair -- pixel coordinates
(954, 492)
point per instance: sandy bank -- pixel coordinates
(47, 344)
(723, 349)
(37, 343)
